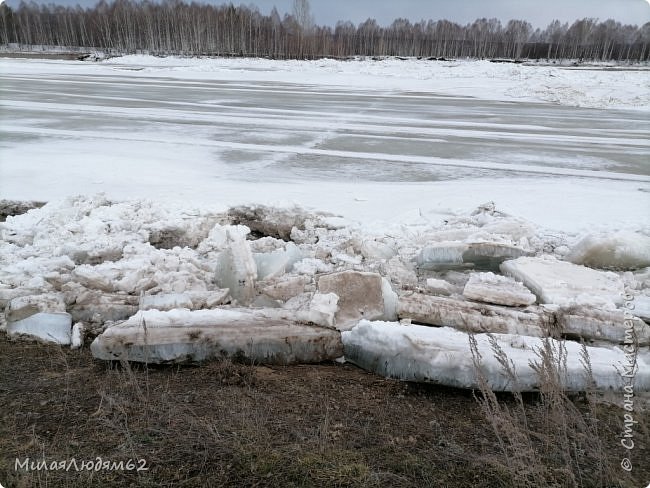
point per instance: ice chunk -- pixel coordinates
(262, 301)
(581, 322)
(263, 336)
(640, 307)
(7, 293)
(278, 262)
(443, 356)
(323, 308)
(96, 307)
(91, 253)
(441, 255)
(311, 266)
(481, 255)
(500, 290)
(566, 284)
(400, 273)
(216, 240)
(390, 300)
(287, 287)
(372, 249)
(210, 299)
(456, 278)
(488, 255)
(267, 244)
(77, 336)
(622, 250)
(90, 277)
(299, 302)
(192, 300)
(269, 221)
(236, 268)
(642, 278)
(361, 295)
(166, 301)
(439, 287)
(602, 325)
(344, 258)
(511, 228)
(45, 326)
(471, 316)
(316, 308)
(22, 307)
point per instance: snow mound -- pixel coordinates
(559, 85)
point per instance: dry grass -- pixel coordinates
(558, 439)
(230, 424)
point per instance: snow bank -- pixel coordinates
(593, 87)
(444, 356)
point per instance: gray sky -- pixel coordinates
(537, 12)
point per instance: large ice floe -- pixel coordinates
(262, 336)
(445, 356)
(157, 283)
(564, 283)
(499, 290)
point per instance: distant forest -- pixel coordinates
(175, 27)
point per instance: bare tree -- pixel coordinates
(173, 26)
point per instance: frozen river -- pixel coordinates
(136, 131)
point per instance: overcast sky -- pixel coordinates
(537, 12)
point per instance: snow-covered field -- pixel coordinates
(375, 141)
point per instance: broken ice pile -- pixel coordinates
(168, 284)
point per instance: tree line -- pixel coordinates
(176, 27)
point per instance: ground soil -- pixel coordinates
(225, 424)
